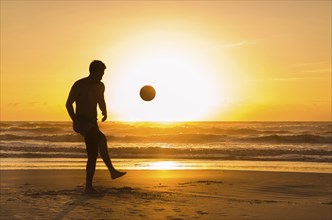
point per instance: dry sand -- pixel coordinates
(181, 194)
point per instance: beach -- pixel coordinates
(166, 194)
(217, 110)
(187, 170)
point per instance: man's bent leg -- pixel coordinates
(106, 158)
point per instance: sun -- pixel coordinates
(184, 81)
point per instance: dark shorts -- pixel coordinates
(86, 125)
(88, 128)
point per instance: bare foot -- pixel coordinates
(91, 191)
(116, 174)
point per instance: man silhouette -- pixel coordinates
(87, 93)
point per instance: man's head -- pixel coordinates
(97, 69)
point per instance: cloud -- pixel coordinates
(26, 104)
(285, 79)
(40, 104)
(240, 44)
(320, 101)
(13, 104)
(288, 78)
(311, 64)
(277, 79)
(328, 70)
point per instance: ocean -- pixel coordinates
(272, 146)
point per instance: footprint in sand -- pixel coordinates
(173, 218)
(201, 182)
(177, 210)
(134, 211)
(202, 212)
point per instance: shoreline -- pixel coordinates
(166, 194)
(162, 164)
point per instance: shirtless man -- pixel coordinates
(87, 93)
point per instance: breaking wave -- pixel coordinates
(181, 138)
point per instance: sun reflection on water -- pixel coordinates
(163, 165)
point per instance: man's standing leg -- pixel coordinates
(92, 152)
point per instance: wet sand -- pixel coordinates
(180, 194)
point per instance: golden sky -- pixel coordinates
(209, 60)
